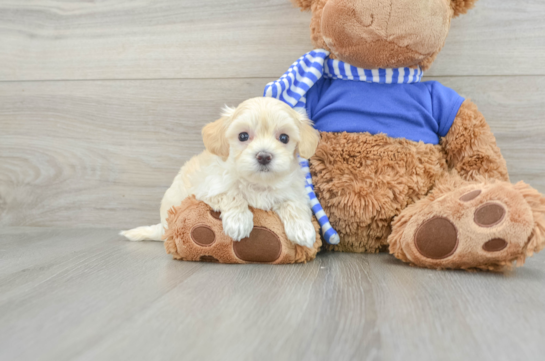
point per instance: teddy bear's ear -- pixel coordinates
(462, 6)
(303, 4)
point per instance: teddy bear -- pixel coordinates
(404, 166)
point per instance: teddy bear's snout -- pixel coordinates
(378, 34)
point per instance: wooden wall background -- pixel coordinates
(101, 102)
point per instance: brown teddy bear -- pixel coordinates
(438, 204)
(403, 165)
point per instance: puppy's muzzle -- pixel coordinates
(264, 158)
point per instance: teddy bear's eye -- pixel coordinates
(243, 136)
(284, 138)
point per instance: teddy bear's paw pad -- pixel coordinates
(486, 227)
(471, 195)
(262, 246)
(489, 215)
(436, 238)
(495, 245)
(203, 235)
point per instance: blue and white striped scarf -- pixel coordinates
(292, 87)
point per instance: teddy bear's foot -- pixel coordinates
(195, 233)
(485, 226)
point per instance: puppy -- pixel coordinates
(250, 160)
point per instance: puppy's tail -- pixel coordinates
(147, 233)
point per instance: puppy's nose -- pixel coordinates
(264, 158)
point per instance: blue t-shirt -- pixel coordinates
(418, 111)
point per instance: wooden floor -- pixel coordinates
(86, 294)
(101, 102)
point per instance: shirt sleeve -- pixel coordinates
(445, 105)
(292, 87)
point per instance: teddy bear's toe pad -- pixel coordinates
(489, 214)
(486, 226)
(203, 235)
(195, 233)
(495, 245)
(216, 215)
(208, 259)
(471, 195)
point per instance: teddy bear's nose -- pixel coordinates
(264, 158)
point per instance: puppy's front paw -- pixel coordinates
(237, 224)
(301, 233)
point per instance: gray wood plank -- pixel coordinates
(70, 294)
(495, 38)
(102, 153)
(115, 300)
(29, 246)
(140, 39)
(81, 148)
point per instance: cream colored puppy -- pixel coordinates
(250, 160)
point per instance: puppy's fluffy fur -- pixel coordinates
(229, 177)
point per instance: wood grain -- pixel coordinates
(102, 153)
(88, 295)
(65, 40)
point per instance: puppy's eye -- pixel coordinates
(284, 138)
(243, 137)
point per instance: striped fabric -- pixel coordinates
(336, 69)
(292, 87)
(300, 77)
(311, 67)
(330, 235)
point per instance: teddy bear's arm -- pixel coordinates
(471, 147)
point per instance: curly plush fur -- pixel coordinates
(470, 146)
(364, 181)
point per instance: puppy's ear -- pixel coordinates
(309, 137)
(462, 6)
(213, 134)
